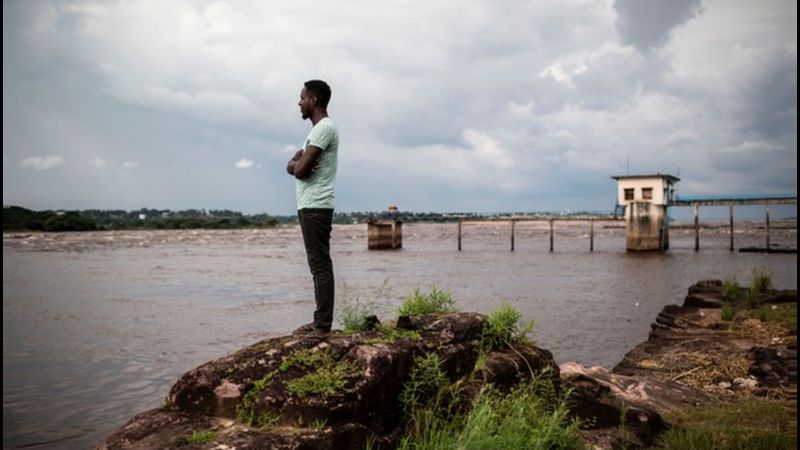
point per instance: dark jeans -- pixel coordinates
(316, 226)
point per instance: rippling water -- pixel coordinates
(97, 326)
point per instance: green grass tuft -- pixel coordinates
(730, 289)
(391, 334)
(728, 311)
(761, 279)
(438, 301)
(753, 298)
(783, 313)
(200, 437)
(353, 314)
(307, 357)
(427, 385)
(503, 328)
(246, 409)
(326, 381)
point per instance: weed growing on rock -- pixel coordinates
(326, 381)
(730, 289)
(438, 301)
(353, 315)
(784, 315)
(265, 421)
(319, 424)
(200, 437)
(503, 328)
(354, 311)
(307, 357)
(245, 410)
(752, 297)
(427, 385)
(728, 311)
(391, 334)
(761, 279)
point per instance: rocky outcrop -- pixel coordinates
(333, 393)
(694, 345)
(691, 357)
(342, 391)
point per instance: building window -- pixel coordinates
(647, 193)
(628, 194)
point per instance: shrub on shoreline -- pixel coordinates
(438, 301)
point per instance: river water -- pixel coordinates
(98, 326)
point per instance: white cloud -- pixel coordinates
(130, 164)
(245, 163)
(42, 163)
(98, 162)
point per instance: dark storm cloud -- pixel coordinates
(646, 24)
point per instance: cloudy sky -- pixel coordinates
(441, 106)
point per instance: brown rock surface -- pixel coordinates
(259, 380)
(692, 357)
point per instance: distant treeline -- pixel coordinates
(16, 218)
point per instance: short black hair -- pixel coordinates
(320, 90)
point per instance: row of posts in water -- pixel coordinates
(591, 221)
(514, 221)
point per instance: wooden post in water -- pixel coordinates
(459, 234)
(696, 228)
(551, 235)
(591, 235)
(731, 216)
(767, 208)
(513, 222)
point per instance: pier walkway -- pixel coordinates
(730, 201)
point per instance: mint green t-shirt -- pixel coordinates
(316, 191)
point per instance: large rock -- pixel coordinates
(690, 358)
(691, 339)
(251, 399)
(623, 411)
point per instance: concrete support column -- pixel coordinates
(643, 226)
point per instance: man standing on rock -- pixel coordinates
(314, 167)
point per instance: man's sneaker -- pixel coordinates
(310, 328)
(319, 332)
(307, 328)
(314, 337)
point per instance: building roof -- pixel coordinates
(671, 178)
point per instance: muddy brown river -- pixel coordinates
(97, 326)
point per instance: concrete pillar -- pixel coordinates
(644, 225)
(384, 234)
